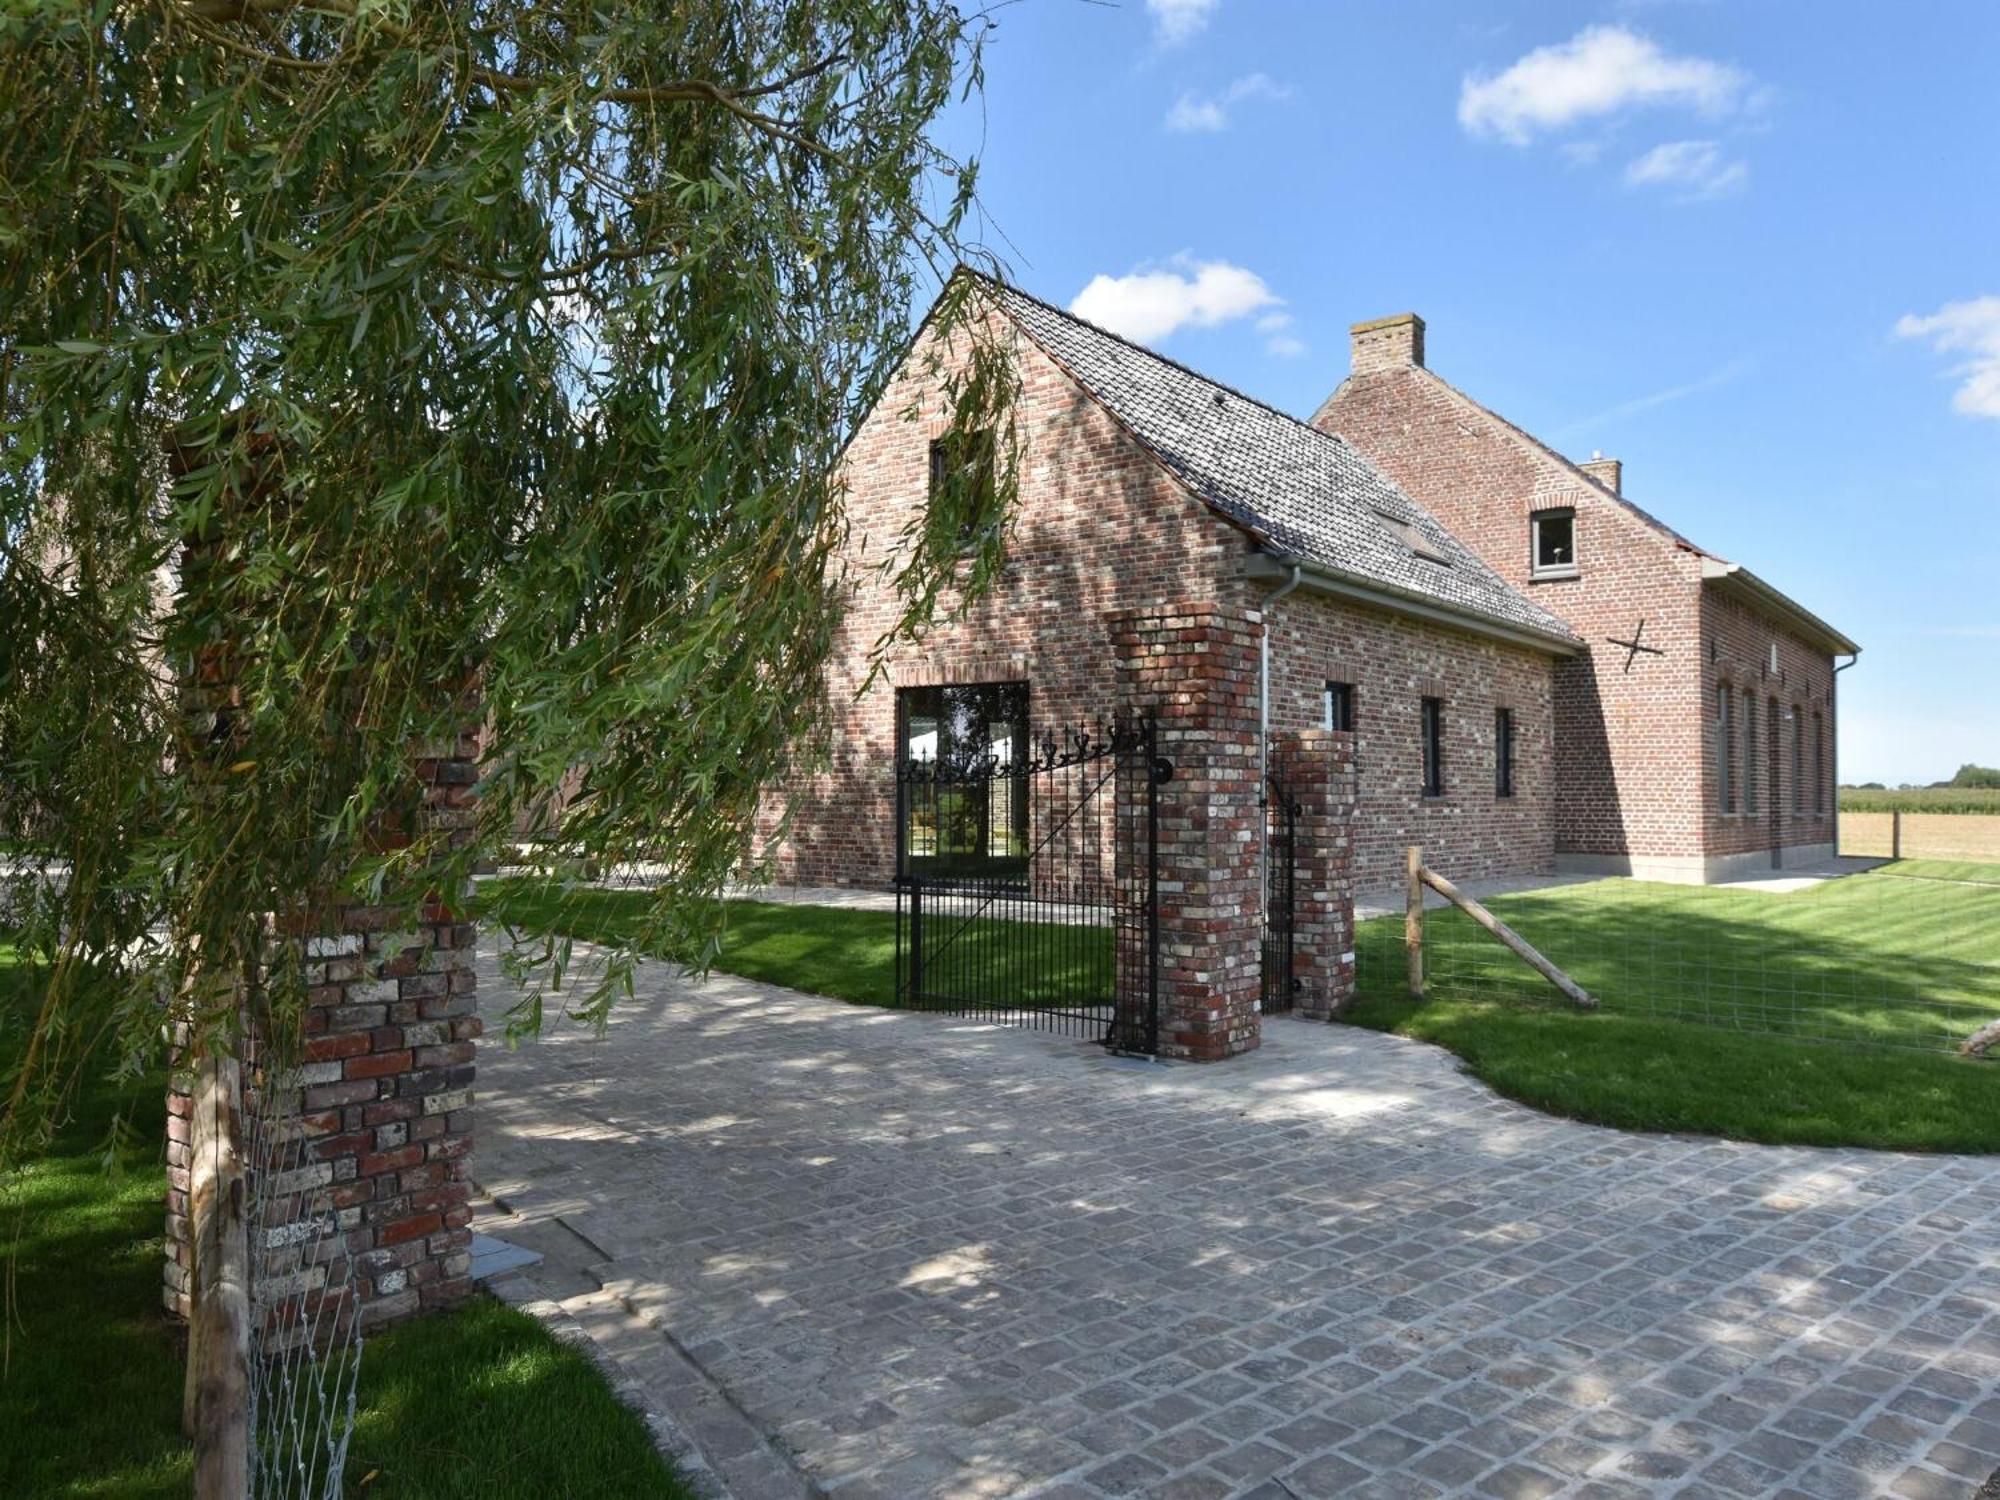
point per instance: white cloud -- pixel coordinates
(1151, 305)
(1196, 115)
(1602, 70)
(1697, 168)
(1174, 21)
(1972, 328)
(1192, 112)
(1279, 340)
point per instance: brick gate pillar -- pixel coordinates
(383, 1095)
(1318, 767)
(1194, 668)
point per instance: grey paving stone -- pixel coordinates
(911, 1256)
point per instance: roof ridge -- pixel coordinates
(1139, 348)
(1575, 469)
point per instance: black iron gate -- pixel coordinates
(1281, 828)
(1027, 882)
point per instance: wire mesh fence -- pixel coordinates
(1891, 957)
(305, 1354)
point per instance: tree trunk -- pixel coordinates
(215, 1405)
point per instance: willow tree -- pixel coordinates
(494, 347)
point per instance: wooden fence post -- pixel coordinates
(1896, 834)
(1413, 921)
(217, 1399)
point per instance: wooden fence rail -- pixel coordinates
(1413, 933)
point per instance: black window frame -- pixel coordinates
(922, 800)
(1431, 718)
(985, 442)
(1749, 754)
(1799, 761)
(1503, 751)
(1819, 764)
(1340, 706)
(1536, 567)
(1725, 749)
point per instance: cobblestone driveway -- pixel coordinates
(874, 1254)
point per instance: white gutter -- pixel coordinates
(1380, 596)
(1833, 704)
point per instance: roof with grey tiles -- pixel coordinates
(1307, 493)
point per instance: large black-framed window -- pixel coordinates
(1433, 726)
(1503, 752)
(1340, 705)
(972, 818)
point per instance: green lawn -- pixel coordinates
(1719, 1004)
(475, 1403)
(848, 955)
(1682, 970)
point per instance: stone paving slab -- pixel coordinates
(917, 1257)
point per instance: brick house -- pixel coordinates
(1144, 486)
(1711, 758)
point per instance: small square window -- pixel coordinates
(1554, 543)
(1340, 705)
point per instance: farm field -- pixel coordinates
(1961, 800)
(1926, 835)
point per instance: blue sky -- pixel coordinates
(1752, 249)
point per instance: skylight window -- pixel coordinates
(1412, 538)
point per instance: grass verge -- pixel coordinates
(479, 1402)
(1639, 1074)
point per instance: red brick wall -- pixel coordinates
(384, 1097)
(1193, 667)
(1633, 744)
(1101, 528)
(1737, 641)
(1394, 663)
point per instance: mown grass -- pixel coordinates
(480, 1402)
(844, 954)
(1794, 1018)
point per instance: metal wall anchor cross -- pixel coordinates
(1634, 646)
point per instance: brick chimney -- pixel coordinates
(1609, 472)
(1387, 344)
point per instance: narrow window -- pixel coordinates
(1798, 763)
(1503, 752)
(1553, 543)
(1340, 705)
(1819, 765)
(971, 818)
(1725, 748)
(1749, 753)
(1433, 747)
(968, 465)
(1774, 722)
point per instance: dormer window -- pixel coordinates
(1553, 543)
